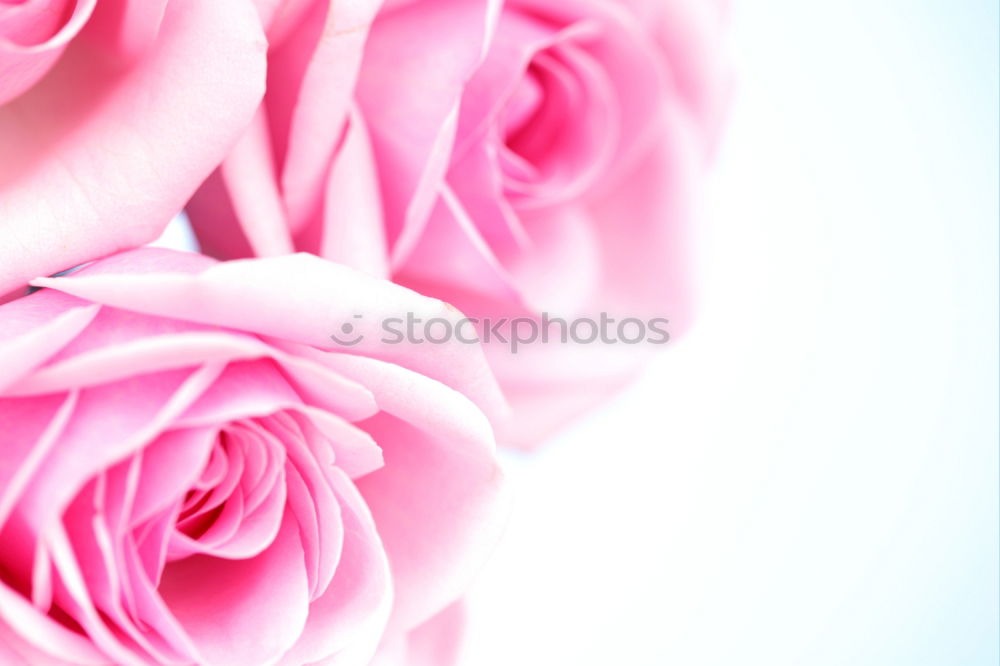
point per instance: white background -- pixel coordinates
(810, 477)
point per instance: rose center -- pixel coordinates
(557, 129)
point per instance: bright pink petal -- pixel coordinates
(32, 39)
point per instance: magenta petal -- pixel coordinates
(126, 29)
(36, 639)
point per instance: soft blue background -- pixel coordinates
(811, 476)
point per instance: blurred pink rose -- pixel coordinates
(437, 642)
(111, 114)
(512, 158)
(193, 472)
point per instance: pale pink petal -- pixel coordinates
(562, 271)
(549, 385)
(696, 55)
(170, 467)
(410, 89)
(23, 351)
(117, 360)
(248, 173)
(440, 501)
(245, 390)
(353, 231)
(643, 228)
(222, 602)
(91, 442)
(280, 17)
(345, 624)
(95, 526)
(308, 300)
(312, 76)
(102, 159)
(453, 246)
(437, 642)
(319, 508)
(477, 181)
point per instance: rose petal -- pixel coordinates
(222, 602)
(39, 639)
(91, 442)
(345, 624)
(126, 29)
(102, 159)
(437, 642)
(248, 174)
(308, 300)
(25, 54)
(452, 245)
(440, 501)
(353, 230)
(410, 89)
(23, 348)
(311, 80)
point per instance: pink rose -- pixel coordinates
(194, 472)
(511, 158)
(437, 642)
(111, 114)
